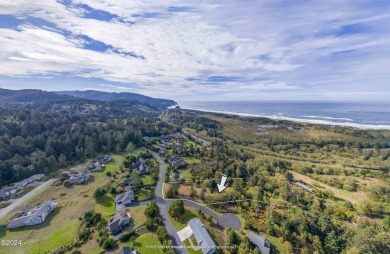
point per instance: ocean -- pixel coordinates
(366, 115)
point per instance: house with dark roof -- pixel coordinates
(124, 199)
(33, 217)
(127, 250)
(202, 237)
(79, 178)
(30, 180)
(97, 166)
(7, 192)
(140, 166)
(118, 222)
(105, 159)
(260, 242)
(176, 161)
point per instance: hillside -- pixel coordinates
(30, 95)
(105, 96)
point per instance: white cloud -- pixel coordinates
(294, 45)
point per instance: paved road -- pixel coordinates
(163, 205)
(16, 202)
(225, 220)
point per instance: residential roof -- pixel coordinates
(79, 177)
(125, 197)
(115, 222)
(202, 236)
(34, 212)
(127, 250)
(260, 242)
(140, 166)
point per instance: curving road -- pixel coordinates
(225, 220)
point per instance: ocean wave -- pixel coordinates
(331, 118)
(301, 120)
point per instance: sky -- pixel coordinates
(192, 50)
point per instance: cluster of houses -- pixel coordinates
(34, 216)
(99, 164)
(7, 192)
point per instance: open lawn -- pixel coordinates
(143, 194)
(106, 206)
(147, 179)
(182, 221)
(138, 215)
(144, 243)
(189, 247)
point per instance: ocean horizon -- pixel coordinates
(363, 115)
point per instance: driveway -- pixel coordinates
(16, 202)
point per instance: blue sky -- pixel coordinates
(200, 50)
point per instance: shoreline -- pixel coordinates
(299, 120)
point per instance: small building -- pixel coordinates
(124, 199)
(105, 159)
(140, 166)
(145, 138)
(118, 222)
(35, 216)
(79, 178)
(175, 176)
(260, 242)
(127, 250)
(97, 166)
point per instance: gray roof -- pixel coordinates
(260, 242)
(31, 179)
(33, 213)
(115, 222)
(125, 197)
(202, 236)
(79, 177)
(140, 166)
(5, 192)
(127, 250)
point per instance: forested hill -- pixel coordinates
(30, 95)
(40, 137)
(105, 96)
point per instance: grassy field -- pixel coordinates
(61, 227)
(141, 244)
(147, 179)
(138, 216)
(355, 198)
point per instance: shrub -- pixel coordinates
(108, 243)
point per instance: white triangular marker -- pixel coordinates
(222, 186)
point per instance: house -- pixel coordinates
(175, 176)
(79, 178)
(7, 192)
(176, 161)
(127, 250)
(196, 228)
(124, 199)
(118, 222)
(260, 242)
(163, 152)
(30, 180)
(105, 159)
(97, 166)
(146, 138)
(33, 217)
(140, 166)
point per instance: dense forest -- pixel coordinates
(42, 136)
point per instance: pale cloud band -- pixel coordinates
(187, 49)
